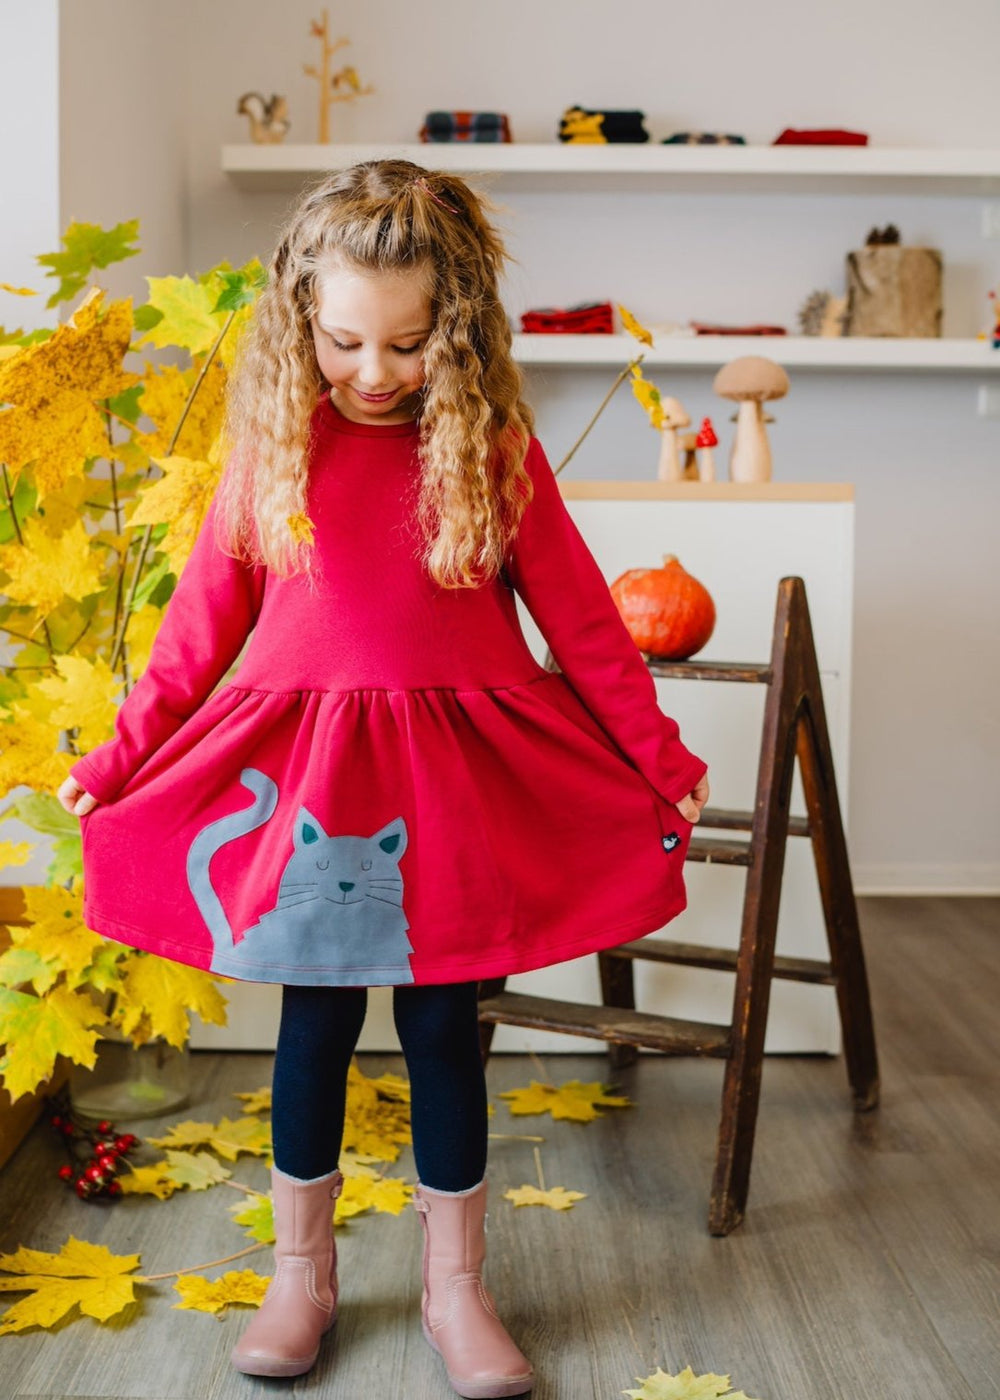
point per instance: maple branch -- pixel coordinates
(516, 1137)
(603, 405)
(197, 1268)
(147, 534)
(538, 1168)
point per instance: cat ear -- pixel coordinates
(307, 830)
(392, 838)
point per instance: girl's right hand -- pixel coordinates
(76, 799)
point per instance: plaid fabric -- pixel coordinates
(465, 126)
(590, 318)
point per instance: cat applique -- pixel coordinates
(339, 918)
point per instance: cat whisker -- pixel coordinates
(380, 899)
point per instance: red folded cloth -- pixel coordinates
(591, 318)
(706, 328)
(821, 136)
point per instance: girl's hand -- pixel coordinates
(76, 799)
(690, 806)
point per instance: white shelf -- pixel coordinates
(803, 169)
(802, 352)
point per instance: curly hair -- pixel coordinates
(384, 216)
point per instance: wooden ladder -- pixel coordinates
(794, 723)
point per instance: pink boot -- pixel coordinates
(301, 1301)
(459, 1316)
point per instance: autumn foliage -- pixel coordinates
(109, 459)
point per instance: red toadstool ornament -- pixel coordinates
(704, 443)
(667, 612)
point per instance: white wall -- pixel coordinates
(924, 810)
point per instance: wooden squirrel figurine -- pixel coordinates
(268, 120)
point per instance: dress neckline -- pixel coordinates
(338, 421)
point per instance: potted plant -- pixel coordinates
(108, 460)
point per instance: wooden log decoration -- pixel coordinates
(894, 291)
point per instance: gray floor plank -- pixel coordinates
(866, 1268)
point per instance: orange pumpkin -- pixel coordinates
(667, 612)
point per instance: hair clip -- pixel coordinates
(422, 184)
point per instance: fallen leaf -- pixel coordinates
(685, 1386)
(195, 1170)
(556, 1197)
(573, 1100)
(257, 1213)
(216, 1295)
(255, 1100)
(384, 1194)
(81, 1275)
(149, 1181)
(229, 1137)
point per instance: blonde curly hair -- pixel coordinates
(384, 216)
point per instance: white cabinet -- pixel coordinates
(739, 541)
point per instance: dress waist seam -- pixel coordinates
(388, 689)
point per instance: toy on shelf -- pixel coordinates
(823, 314)
(342, 86)
(892, 290)
(751, 381)
(581, 126)
(674, 417)
(704, 443)
(269, 122)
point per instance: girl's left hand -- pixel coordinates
(690, 806)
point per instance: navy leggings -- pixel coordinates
(438, 1030)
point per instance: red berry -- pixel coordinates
(92, 1172)
(114, 1188)
(108, 1163)
(83, 1188)
(126, 1142)
(66, 1173)
(56, 1121)
(105, 1126)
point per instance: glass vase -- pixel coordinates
(130, 1081)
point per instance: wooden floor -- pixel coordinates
(866, 1269)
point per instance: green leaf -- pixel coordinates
(103, 974)
(86, 246)
(25, 497)
(154, 576)
(128, 405)
(67, 861)
(19, 966)
(257, 1214)
(43, 812)
(146, 317)
(241, 288)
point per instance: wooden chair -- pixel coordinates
(794, 723)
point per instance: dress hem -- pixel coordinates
(473, 970)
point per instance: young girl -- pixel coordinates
(390, 790)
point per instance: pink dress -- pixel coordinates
(390, 788)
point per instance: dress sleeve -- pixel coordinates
(209, 616)
(563, 588)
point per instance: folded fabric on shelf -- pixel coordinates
(821, 136)
(466, 126)
(703, 138)
(589, 318)
(580, 125)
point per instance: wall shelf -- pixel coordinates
(800, 352)
(709, 169)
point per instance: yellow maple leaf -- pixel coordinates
(83, 697)
(573, 1100)
(188, 318)
(29, 753)
(391, 1086)
(648, 396)
(142, 629)
(81, 1275)
(37, 1029)
(634, 327)
(14, 853)
(156, 997)
(54, 929)
(256, 1100)
(361, 1193)
(166, 390)
(43, 570)
(180, 500)
(229, 1137)
(216, 1295)
(375, 1124)
(302, 528)
(556, 1197)
(684, 1386)
(195, 1170)
(18, 291)
(149, 1181)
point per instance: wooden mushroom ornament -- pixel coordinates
(674, 418)
(751, 381)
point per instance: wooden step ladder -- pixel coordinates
(794, 723)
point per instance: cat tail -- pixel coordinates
(213, 838)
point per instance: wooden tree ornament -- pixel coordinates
(342, 86)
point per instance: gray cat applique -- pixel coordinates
(339, 918)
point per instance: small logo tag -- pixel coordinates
(669, 842)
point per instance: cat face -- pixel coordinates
(343, 869)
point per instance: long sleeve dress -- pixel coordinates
(390, 788)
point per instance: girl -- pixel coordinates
(390, 790)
